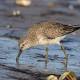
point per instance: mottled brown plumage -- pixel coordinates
(47, 30)
(45, 33)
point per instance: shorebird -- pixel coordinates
(45, 33)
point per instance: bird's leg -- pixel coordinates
(17, 58)
(46, 56)
(66, 56)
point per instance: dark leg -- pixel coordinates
(66, 56)
(46, 56)
(17, 58)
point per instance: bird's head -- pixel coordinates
(23, 44)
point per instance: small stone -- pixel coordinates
(71, 7)
(16, 13)
(52, 77)
(8, 26)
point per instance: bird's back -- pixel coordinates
(48, 29)
(51, 29)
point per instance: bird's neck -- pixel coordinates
(25, 44)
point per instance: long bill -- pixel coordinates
(17, 58)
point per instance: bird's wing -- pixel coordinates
(54, 30)
(49, 37)
(49, 34)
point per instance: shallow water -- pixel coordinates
(32, 61)
(34, 58)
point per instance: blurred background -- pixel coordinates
(16, 16)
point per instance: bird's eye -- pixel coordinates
(22, 46)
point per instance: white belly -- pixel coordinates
(43, 41)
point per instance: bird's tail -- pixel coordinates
(71, 29)
(76, 28)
